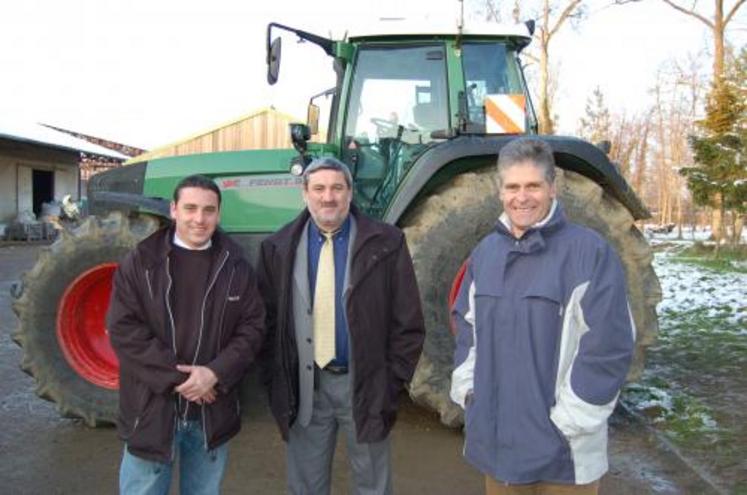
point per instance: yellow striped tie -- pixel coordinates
(324, 304)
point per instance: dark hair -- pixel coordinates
(327, 163)
(197, 181)
(528, 150)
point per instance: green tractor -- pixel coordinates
(419, 117)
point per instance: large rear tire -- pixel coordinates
(443, 229)
(61, 317)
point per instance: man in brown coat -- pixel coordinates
(345, 331)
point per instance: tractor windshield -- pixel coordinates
(398, 97)
(398, 87)
(489, 69)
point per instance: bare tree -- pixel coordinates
(641, 154)
(716, 23)
(596, 124)
(550, 17)
(678, 94)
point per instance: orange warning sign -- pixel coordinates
(505, 114)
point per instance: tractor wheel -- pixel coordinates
(442, 231)
(61, 314)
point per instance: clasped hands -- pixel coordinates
(199, 387)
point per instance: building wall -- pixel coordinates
(18, 160)
(66, 182)
(7, 189)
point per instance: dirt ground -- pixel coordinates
(43, 453)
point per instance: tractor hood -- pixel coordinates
(258, 191)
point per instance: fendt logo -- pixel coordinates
(279, 180)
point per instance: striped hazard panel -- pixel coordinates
(505, 114)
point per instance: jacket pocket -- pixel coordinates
(544, 306)
(135, 401)
(144, 404)
(222, 416)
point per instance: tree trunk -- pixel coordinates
(545, 117)
(717, 218)
(738, 228)
(679, 210)
(718, 42)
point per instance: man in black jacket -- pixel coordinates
(185, 320)
(345, 331)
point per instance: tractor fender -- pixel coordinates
(570, 154)
(121, 189)
(124, 202)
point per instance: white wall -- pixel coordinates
(16, 192)
(24, 189)
(65, 182)
(7, 189)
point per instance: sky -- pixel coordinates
(150, 72)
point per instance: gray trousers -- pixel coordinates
(311, 448)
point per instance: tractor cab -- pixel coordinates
(400, 94)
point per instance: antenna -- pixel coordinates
(460, 25)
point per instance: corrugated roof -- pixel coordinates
(37, 133)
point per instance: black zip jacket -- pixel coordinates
(142, 335)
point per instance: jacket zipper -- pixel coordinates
(171, 321)
(168, 305)
(147, 280)
(199, 342)
(204, 302)
(140, 413)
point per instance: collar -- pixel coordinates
(179, 242)
(554, 216)
(343, 231)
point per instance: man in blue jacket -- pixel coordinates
(545, 338)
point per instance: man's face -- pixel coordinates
(196, 214)
(328, 197)
(526, 196)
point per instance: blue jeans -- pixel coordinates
(200, 471)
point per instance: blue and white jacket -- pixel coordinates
(545, 340)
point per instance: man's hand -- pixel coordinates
(199, 386)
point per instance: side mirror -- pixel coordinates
(530, 24)
(300, 134)
(312, 118)
(273, 61)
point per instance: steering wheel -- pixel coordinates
(385, 127)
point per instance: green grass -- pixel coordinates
(681, 416)
(726, 259)
(693, 387)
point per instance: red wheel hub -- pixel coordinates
(454, 292)
(81, 330)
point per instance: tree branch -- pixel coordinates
(564, 15)
(530, 56)
(691, 13)
(733, 11)
(492, 14)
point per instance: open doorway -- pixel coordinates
(42, 184)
